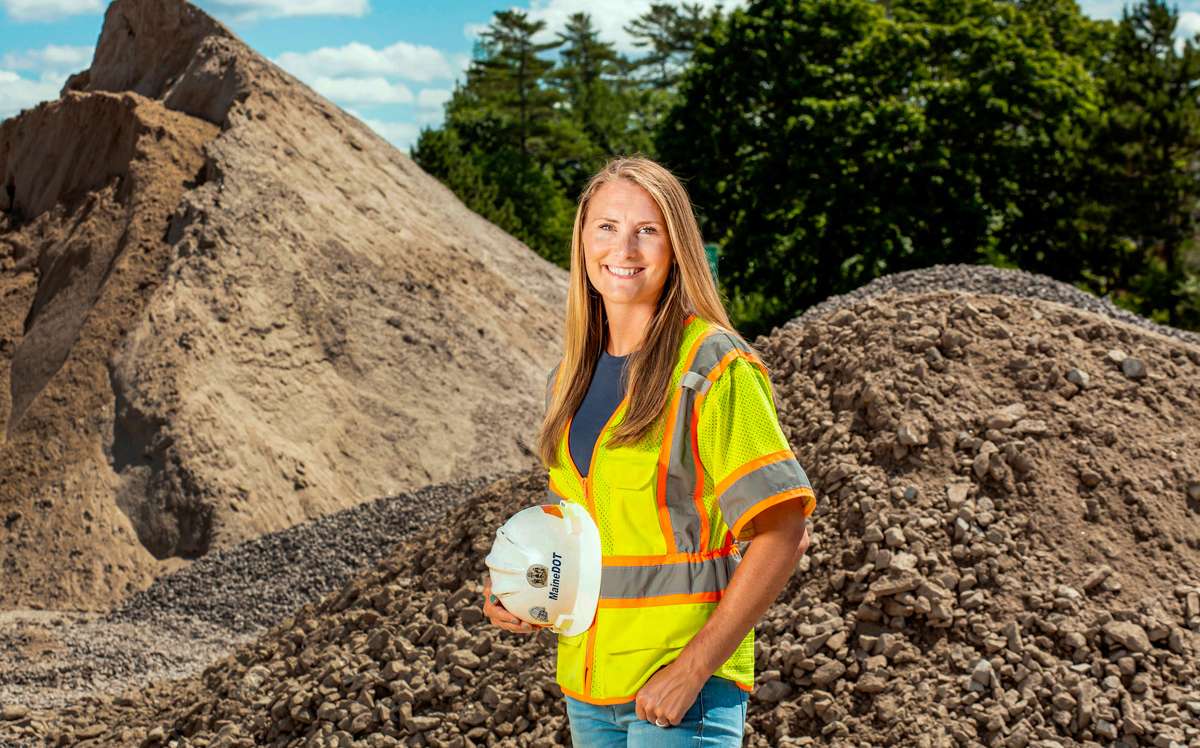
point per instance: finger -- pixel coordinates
(517, 628)
(639, 709)
(499, 616)
(494, 608)
(501, 613)
(504, 619)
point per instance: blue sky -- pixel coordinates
(391, 63)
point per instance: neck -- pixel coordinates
(627, 326)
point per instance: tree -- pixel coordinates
(588, 77)
(671, 33)
(510, 74)
(500, 126)
(855, 141)
(1145, 158)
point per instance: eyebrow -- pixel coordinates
(640, 223)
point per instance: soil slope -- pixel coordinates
(226, 306)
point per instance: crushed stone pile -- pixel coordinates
(992, 280)
(192, 617)
(1006, 553)
(227, 307)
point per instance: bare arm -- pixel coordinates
(781, 538)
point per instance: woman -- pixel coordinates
(661, 421)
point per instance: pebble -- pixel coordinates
(1133, 368)
(1129, 635)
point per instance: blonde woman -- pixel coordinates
(661, 421)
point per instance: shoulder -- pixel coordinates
(723, 356)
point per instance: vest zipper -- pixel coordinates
(587, 650)
(587, 497)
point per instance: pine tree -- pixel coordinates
(510, 75)
(585, 74)
(671, 33)
(1147, 151)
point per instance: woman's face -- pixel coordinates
(625, 231)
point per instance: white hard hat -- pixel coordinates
(545, 566)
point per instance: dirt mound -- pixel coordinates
(1006, 552)
(90, 183)
(227, 307)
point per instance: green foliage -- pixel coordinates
(524, 132)
(856, 140)
(1143, 158)
(828, 142)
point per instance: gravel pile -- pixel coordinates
(1006, 553)
(988, 280)
(257, 583)
(190, 618)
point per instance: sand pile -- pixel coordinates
(1006, 553)
(227, 307)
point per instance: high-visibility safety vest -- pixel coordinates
(670, 509)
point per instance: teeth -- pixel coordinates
(624, 272)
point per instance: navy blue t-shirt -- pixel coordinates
(604, 394)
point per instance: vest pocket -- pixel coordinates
(634, 643)
(630, 511)
(631, 469)
(570, 660)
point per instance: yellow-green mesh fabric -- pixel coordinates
(623, 484)
(738, 423)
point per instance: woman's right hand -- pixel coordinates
(499, 616)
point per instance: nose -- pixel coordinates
(631, 241)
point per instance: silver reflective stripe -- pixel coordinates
(682, 471)
(681, 479)
(713, 349)
(761, 483)
(683, 578)
(695, 381)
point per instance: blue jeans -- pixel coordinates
(716, 718)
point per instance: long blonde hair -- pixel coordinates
(690, 289)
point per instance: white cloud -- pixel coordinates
(49, 10)
(375, 90)
(415, 62)
(1186, 29)
(1189, 24)
(56, 57)
(431, 117)
(474, 30)
(17, 93)
(400, 134)
(253, 10)
(433, 98)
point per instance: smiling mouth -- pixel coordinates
(625, 275)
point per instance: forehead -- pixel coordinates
(625, 196)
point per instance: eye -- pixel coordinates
(652, 230)
(605, 224)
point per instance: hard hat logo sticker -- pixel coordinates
(536, 575)
(539, 613)
(556, 563)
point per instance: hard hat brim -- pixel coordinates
(587, 594)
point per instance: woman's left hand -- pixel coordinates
(668, 694)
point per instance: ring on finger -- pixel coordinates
(659, 722)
